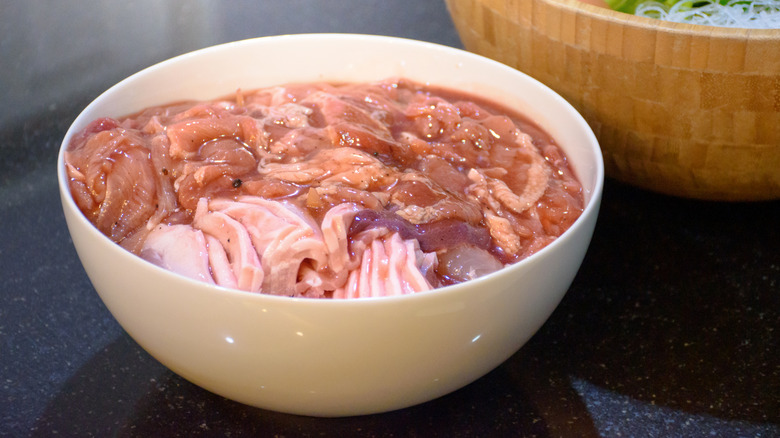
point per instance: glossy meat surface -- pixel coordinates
(326, 190)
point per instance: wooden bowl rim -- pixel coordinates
(684, 29)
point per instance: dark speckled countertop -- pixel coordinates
(670, 328)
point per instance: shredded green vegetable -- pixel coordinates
(629, 6)
(759, 14)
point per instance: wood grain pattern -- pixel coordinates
(686, 110)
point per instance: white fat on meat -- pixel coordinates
(282, 236)
(221, 270)
(234, 238)
(338, 166)
(261, 245)
(335, 225)
(178, 248)
(389, 266)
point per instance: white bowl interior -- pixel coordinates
(327, 357)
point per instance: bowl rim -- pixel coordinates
(592, 197)
(683, 29)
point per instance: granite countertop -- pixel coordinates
(669, 329)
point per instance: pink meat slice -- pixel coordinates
(389, 266)
(283, 236)
(335, 234)
(187, 136)
(166, 193)
(235, 239)
(130, 194)
(343, 166)
(115, 181)
(301, 258)
(178, 248)
(335, 228)
(221, 270)
(351, 126)
(217, 165)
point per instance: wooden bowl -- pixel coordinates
(686, 110)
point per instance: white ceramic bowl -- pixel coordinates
(329, 357)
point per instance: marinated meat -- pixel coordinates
(326, 190)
